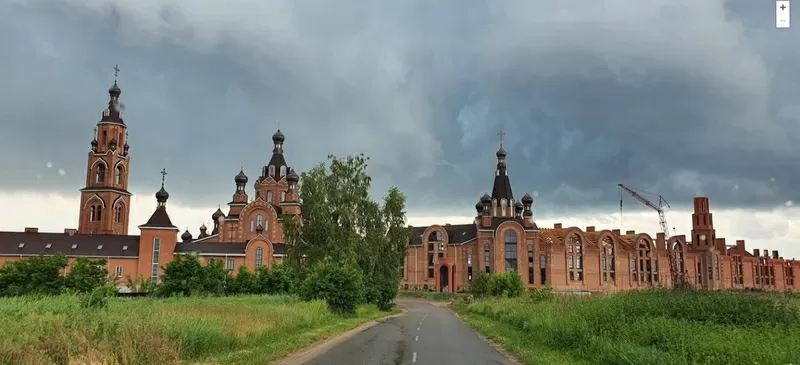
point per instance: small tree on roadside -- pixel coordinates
(507, 284)
(276, 280)
(214, 278)
(479, 286)
(182, 276)
(338, 284)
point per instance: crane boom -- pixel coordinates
(662, 219)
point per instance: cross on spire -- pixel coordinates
(163, 176)
(116, 73)
(501, 134)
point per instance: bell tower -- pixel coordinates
(105, 200)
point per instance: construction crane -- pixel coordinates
(662, 220)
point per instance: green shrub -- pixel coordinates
(507, 284)
(479, 286)
(276, 280)
(543, 294)
(340, 285)
(98, 297)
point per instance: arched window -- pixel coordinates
(677, 255)
(648, 271)
(283, 196)
(269, 197)
(435, 236)
(503, 207)
(607, 259)
(252, 226)
(575, 258)
(259, 256)
(494, 207)
(283, 171)
(118, 175)
(716, 267)
(511, 249)
(118, 214)
(92, 213)
(530, 263)
(259, 220)
(100, 173)
(272, 170)
(469, 266)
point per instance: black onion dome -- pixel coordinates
(527, 213)
(486, 198)
(240, 178)
(519, 205)
(278, 137)
(217, 214)
(479, 206)
(186, 236)
(94, 143)
(501, 152)
(114, 90)
(292, 177)
(527, 199)
(162, 195)
(203, 228)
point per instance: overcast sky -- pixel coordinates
(677, 97)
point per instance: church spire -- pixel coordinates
(502, 197)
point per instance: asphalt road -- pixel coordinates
(426, 335)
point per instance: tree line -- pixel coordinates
(345, 248)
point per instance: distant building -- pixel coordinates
(248, 235)
(504, 236)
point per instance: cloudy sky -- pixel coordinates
(677, 97)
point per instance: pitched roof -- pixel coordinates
(159, 219)
(32, 244)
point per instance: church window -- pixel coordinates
(469, 266)
(503, 207)
(100, 173)
(738, 270)
(92, 213)
(575, 258)
(283, 196)
(259, 220)
(118, 175)
(530, 263)
(494, 207)
(269, 197)
(118, 214)
(543, 269)
(230, 265)
(272, 170)
(252, 226)
(487, 258)
(648, 272)
(118, 272)
(510, 249)
(403, 268)
(156, 252)
(283, 171)
(716, 267)
(259, 256)
(607, 259)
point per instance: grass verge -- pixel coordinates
(144, 331)
(650, 327)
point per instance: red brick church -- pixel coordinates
(247, 235)
(505, 236)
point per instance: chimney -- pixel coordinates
(756, 252)
(775, 255)
(630, 233)
(557, 226)
(740, 245)
(590, 229)
(31, 230)
(616, 231)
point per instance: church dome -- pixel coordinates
(217, 214)
(162, 195)
(114, 90)
(186, 236)
(292, 177)
(240, 178)
(278, 137)
(527, 199)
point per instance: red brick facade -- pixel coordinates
(504, 236)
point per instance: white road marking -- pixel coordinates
(416, 338)
(414, 357)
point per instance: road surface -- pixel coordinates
(426, 335)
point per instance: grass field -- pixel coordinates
(653, 327)
(233, 330)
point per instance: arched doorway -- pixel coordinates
(444, 278)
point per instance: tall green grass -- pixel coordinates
(241, 330)
(649, 327)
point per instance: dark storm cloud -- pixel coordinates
(678, 97)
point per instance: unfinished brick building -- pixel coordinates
(504, 236)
